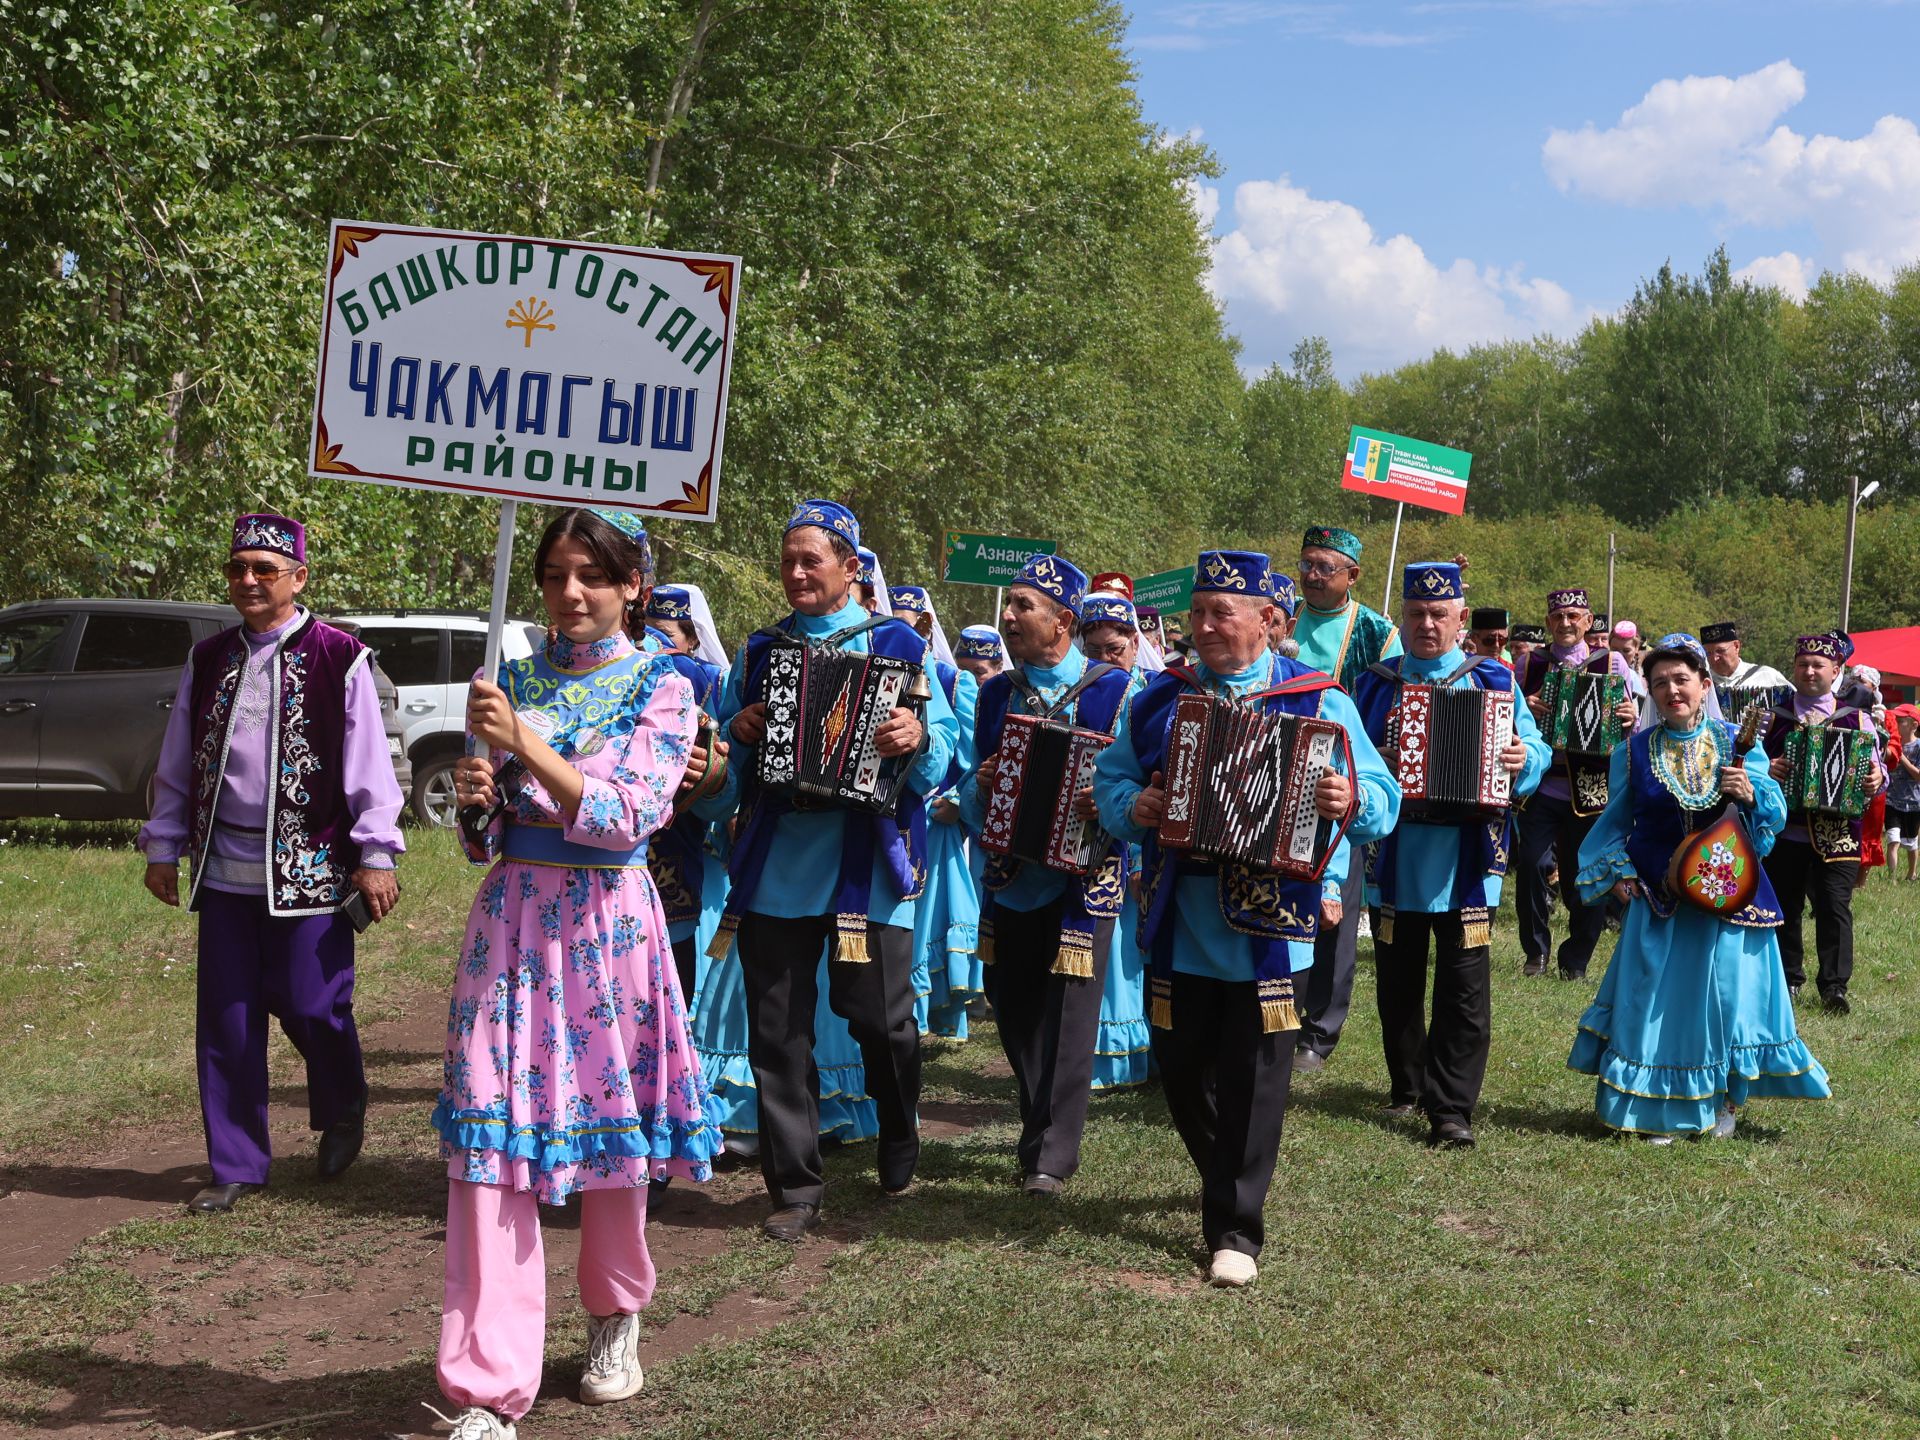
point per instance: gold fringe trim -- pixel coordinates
(723, 937)
(1074, 959)
(1277, 1011)
(1384, 935)
(1476, 928)
(853, 940)
(1160, 1008)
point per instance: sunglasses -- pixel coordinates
(238, 570)
(1315, 569)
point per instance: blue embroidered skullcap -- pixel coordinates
(1105, 609)
(1284, 594)
(979, 642)
(869, 563)
(1233, 572)
(670, 602)
(1845, 642)
(828, 515)
(1055, 577)
(1680, 640)
(1431, 580)
(910, 597)
(1332, 537)
(630, 523)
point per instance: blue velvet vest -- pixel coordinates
(1660, 823)
(1272, 910)
(1100, 895)
(1483, 844)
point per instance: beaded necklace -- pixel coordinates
(1688, 766)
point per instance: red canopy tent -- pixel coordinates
(1895, 654)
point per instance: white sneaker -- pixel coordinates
(1232, 1270)
(613, 1360)
(476, 1422)
(1723, 1123)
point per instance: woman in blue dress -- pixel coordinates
(1693, 1018)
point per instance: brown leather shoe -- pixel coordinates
(790, 1223)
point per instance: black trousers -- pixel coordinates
(1439, 1069)
(1226, 1083)
(780, 962)
(1798, 875)
(1329, 987)
(1048, 1026)
(1549, 825)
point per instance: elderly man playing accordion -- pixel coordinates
(1045, 933)
(811, 874)
(1227, 940)
(1438, 874)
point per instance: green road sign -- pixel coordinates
(1170, 589)
(989, 559)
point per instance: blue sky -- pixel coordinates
(1408, 174)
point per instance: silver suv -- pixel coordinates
(85, 688)
(431, 655)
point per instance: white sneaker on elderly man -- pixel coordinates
(1232, 1270)
(613, 1360)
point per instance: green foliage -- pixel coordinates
(973, 292)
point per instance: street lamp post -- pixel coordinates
(1860, 497)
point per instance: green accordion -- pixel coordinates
(1827, 770)
(1582, 711)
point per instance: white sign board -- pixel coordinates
(525, 369)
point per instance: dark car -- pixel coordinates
(85, 690)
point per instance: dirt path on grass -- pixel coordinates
(339, 1342)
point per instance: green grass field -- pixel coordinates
(1558, 1281)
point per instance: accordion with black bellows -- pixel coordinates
(1043, 766)
(1240, 785)
(1450, 742)
(824, 709)
(1737, 700)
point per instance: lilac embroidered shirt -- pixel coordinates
(237, 854)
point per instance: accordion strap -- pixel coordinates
(1445, 682)
(1031, 695)
(825, 642)
(1299, 685)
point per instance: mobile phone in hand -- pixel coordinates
(357, 910)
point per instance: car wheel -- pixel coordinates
(434, 801)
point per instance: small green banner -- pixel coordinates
(988, 559)
(1170, 590)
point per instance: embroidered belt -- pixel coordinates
(548, 845)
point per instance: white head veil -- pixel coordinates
(710, 648)
(941, 650)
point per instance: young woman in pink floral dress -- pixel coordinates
(568, 1065)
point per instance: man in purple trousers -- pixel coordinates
(274, 781)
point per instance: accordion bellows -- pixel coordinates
(1582, 718)
(1240, 785)
(824, 708)
(1450, 742)
(1043, 766)
(1827, 770)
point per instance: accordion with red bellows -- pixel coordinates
(1451, 740)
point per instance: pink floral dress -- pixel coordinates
(568, 1065)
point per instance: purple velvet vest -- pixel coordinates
(310, 850)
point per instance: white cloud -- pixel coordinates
(1792, 275)
(1713, 143)
(1294, 266)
